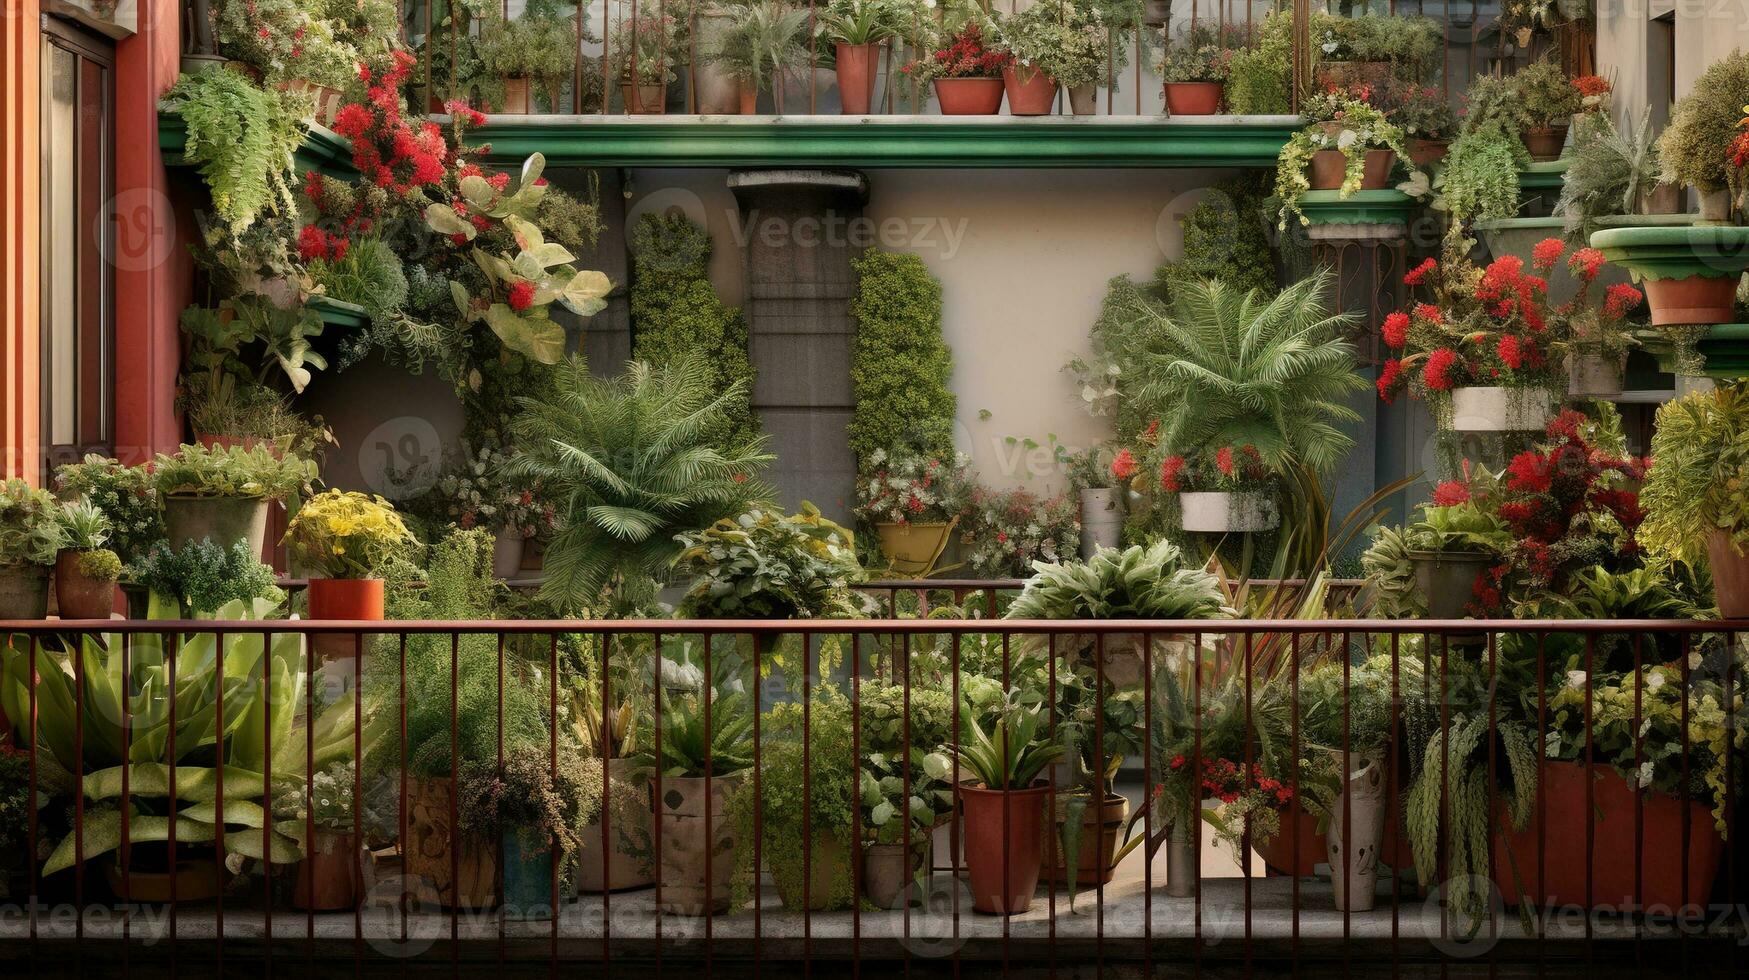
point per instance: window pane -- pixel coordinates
(61, 243)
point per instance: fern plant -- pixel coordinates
(242, 138)
(628, 464)
(1235, 368)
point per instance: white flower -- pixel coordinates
(1575, 679)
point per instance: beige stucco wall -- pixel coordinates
(1023, 258)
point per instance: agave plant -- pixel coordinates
(1136, 583)
(180, 731)
(1608, 169)
(628, 466)
(1012, 753)
(1227, 367)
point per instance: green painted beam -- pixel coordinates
(323, 151)
(891, 142)
(1380, 207)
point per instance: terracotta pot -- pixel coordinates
(644, 100)
(1194, 98)
(857, 66)
(77, 595)
(627, 863)
(195, 880)
(518, 100)
(24, 591)
(888, 873)
(226, 520)
(1327, 169)
(998, 821)
(1692, 300)
(1375, 174)
(1660, 199)
(1031, 92)
(507, 548)
(749, 100)
(432, 847)
(695, 869)
(1545, 142)
(1730, 576)
(346, 598)
(1426, 153)
(1611, 817)
(1084, 99)
(969, 96)
(331, 875)
(912, 548)
(1102, 828)
(828, 875)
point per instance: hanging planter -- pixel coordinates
(1690, 273)
(1595, 375)
(1216, 512)
(1357, 829)
(1500, 409)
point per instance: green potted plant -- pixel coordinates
(1480, 175)
(341, 539)
(617, 856)
(1549, 99)
(897, 826)
(1346, 717)
(914, 503)
(767, 565)
(1612, 171)
(763, 43)
(126, 496)
(1696, 147)
(642, 54)
(527, 52)
(223, 493)
(293, 50)
(1599, 337)
(1695, 507)
(533, 804)
(85, 570)
(1226, 490)
(199, 578)
(1425, 116)
(858, 31)
(1457, 538)
(31, 538)
(1101, 478)
(1373, 49)
(321, 819)
(1194, 69)
(1349, 146)
(1002, 798)
(965, 71)
(1030, 40)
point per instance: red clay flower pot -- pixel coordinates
(1194, 98)
(999, 821)
(79, 596)
(1426, 153)
(344, 599)
(1327, 170)
(969, 96)
(1730, 576)
(1544, 142)
(1611, 815)
(1375, 173)
(856, 64)
(1278, 854)
(749, 100)
(1692, 300)
(1030, 92)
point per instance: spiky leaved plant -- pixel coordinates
(1235, 368)
(629, 464)
(1136, 583)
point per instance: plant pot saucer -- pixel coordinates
(1684, 251)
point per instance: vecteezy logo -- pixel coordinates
(145, 230)
(401, 458)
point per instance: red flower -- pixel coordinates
(521, 295)
(312, 243)
(1170, 467)
(1586, 263)
(1415, 276)
(1620, 300)
(1451, 493)
(1429, 312)
(1224, 460)
(353, 120)
(1396, 330)
(1547, 252)
(1436, 373)
(1123, 466)
(1388, 378)
(1530, 472)
(1511, 353)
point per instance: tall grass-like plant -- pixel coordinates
(1234, 368)
(1012, 753)
(1606, 172)
(627, 464)
(766, 41)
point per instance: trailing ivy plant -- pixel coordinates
(900, 363)
(242, 138)
(1340, 123)
(676, 313)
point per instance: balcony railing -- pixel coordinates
(1561, 785)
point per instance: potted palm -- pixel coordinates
(223, 492)
(1194, 69)
(966, 73)
(1694, 504)
(533, 803)
(342, 538)
(31, 537)
(858, 31)
(763, 44)
(1549, 99)
(914, 503)
(1003, 802)
(85, 570)
(642, 53)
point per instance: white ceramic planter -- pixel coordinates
(1499, 409)
(1226, 513)
(1357, 828)
(507, 549)
(1180, 863)
(1594, 376)
(1101, 520)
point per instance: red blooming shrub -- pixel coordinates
(1227, 469)
(964, 57)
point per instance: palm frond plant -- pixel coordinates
(1234, 368)
(767, 41)
(627, 465)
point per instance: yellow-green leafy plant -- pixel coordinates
(1698, 484)
(31, 532)
(345, 534)
(1342, 123)
(1695, 147)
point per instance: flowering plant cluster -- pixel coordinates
(900, 489)
(1491, 326)
(1007, 531)
(1251, 802)
(1225, 469)
(1198, 56)
(1594, 92)
(1422, 111)
(476, 494)
(965, 55)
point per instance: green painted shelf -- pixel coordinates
(324, 151)
(1548, 175)
(1381, 207)
(338, 313)
(889, 142)
(1725, 347)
